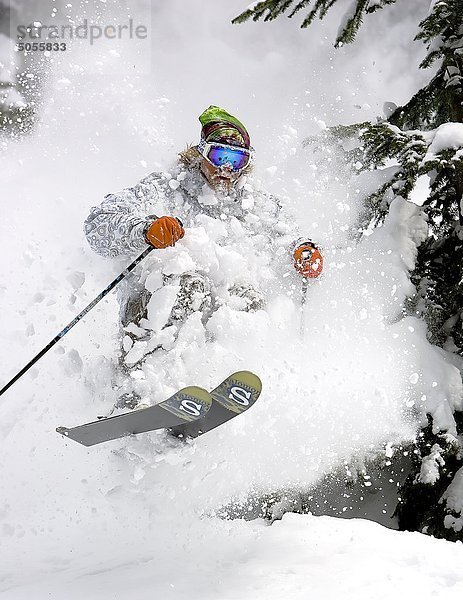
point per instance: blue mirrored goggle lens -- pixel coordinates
(234, 156)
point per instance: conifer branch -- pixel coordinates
(269, 10)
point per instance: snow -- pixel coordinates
(453, 496)
(454, 493)
(299, 557)
(420, 192)
(429, 473)
(447, 136)
(135, 518)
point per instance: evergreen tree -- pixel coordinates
(268, 10)
(424, 137)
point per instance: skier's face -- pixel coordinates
(221, 179)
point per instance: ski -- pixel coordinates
(230, 398)
(186, 405)
(190, 412)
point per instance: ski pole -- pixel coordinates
(70, 325)
(305, 285)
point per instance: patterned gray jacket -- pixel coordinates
(116, 227)
(232, 240)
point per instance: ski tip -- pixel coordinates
(248, 378)
(196, 392)
(188, 404)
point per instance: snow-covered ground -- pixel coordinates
(135, 518)
(299, 557)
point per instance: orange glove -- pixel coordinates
(164, 232)
(308, 260)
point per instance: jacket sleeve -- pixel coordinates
(116, 227)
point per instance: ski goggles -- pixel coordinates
(223, 154)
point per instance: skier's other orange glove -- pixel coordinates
(164, 232)
(308, 260)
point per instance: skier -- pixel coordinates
(210, 195)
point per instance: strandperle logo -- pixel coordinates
(84, 31)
